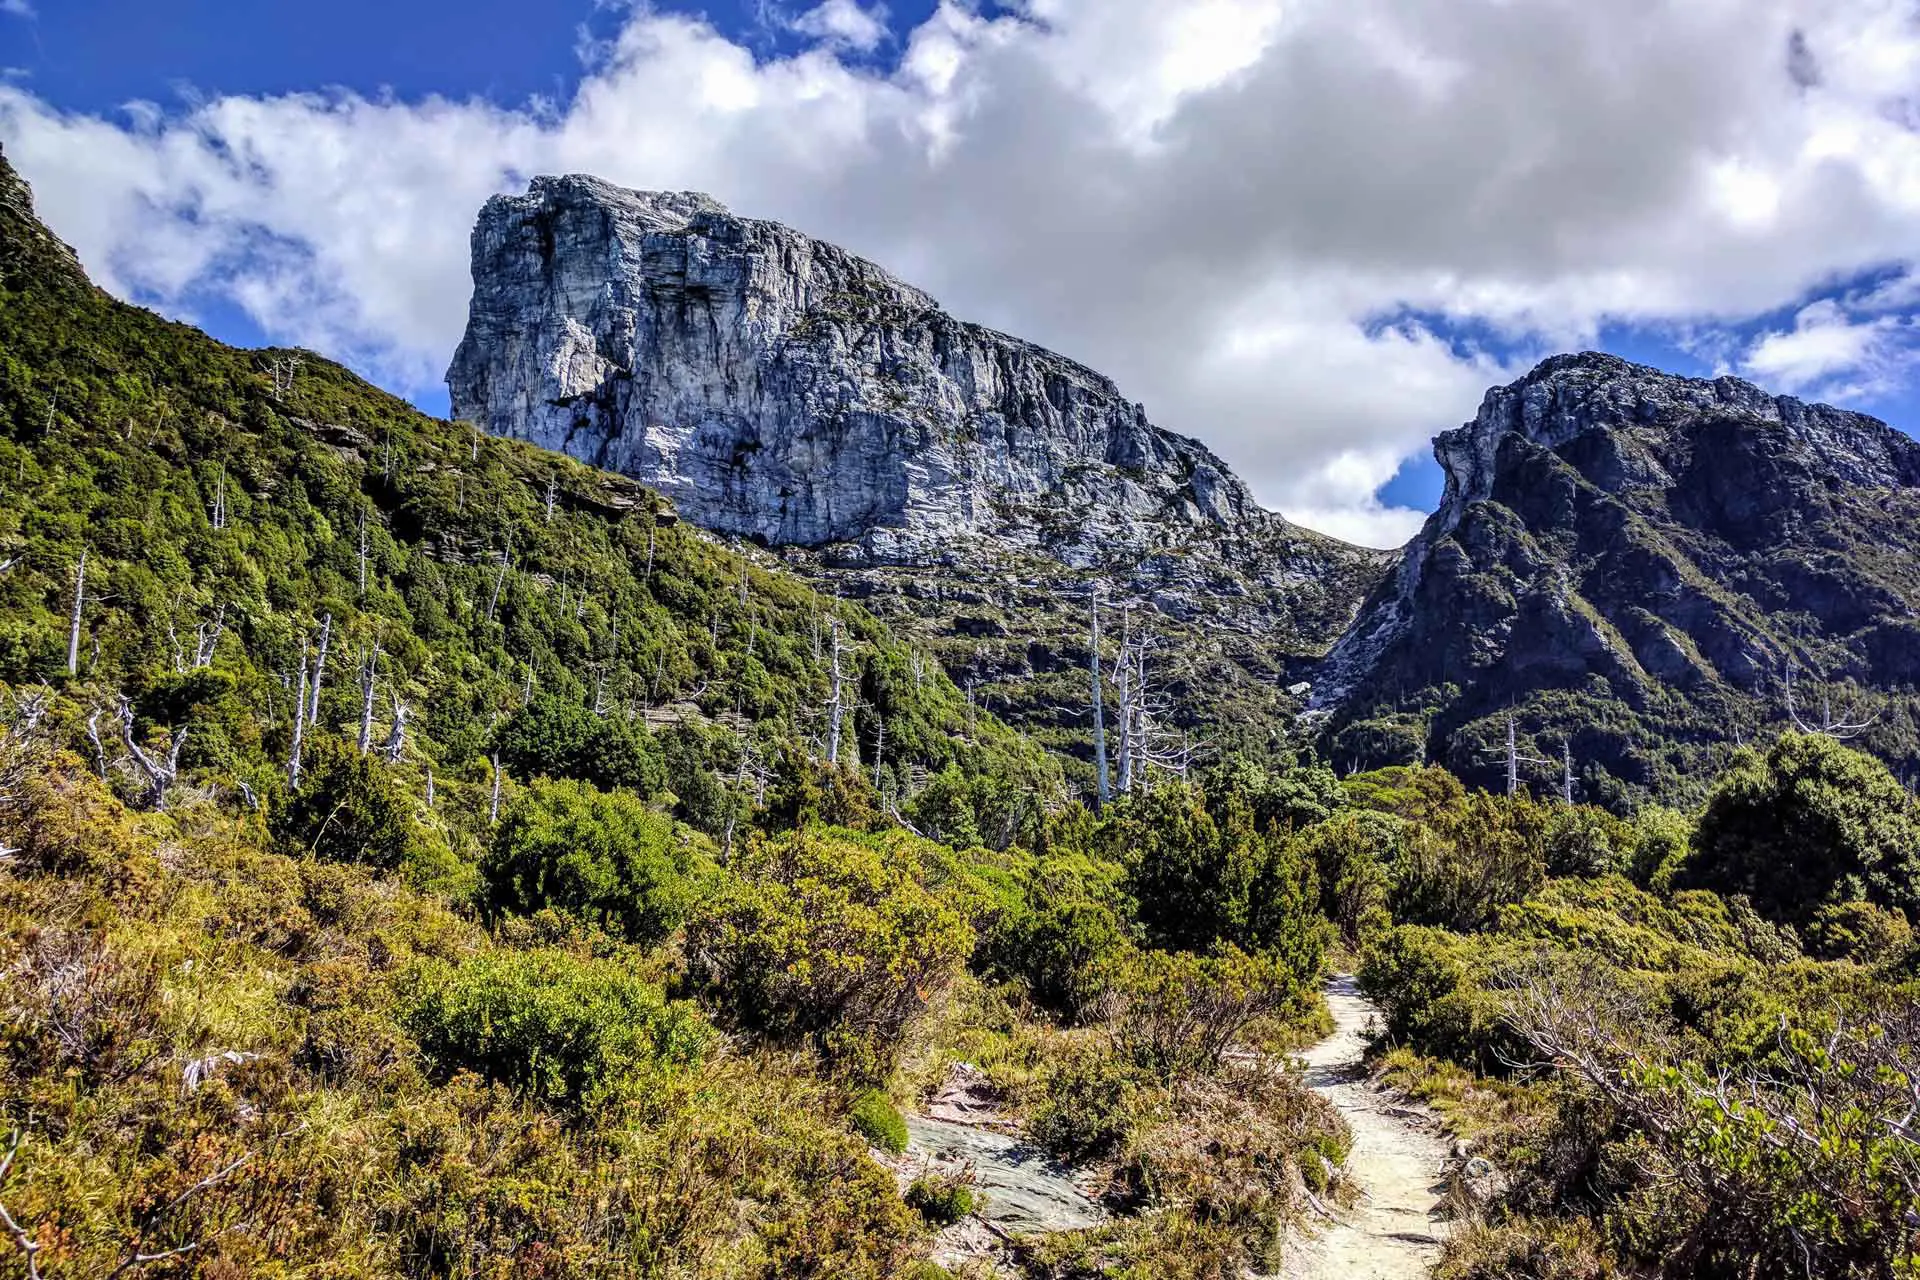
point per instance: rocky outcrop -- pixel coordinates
(1631, 563)
(781, 389)
(963, 484)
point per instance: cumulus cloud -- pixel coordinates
(1829, 353)
(1240, 209)
(844, 23)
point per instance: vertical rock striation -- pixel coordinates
(781, 389)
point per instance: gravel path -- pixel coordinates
(1398, 1163)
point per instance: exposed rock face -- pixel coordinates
(1634, 561)
(782, 389)
(960, 482)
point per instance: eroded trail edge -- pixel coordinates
(1398, 1163)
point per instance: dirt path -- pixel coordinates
(1398, 1163)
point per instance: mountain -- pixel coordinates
(1641, 570)
(782, 390)
(217, 511)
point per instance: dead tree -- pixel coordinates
(99, 747)
(160, 772)
(396, 744)
(836, 699)
(493, 809)
(1566, 772)
(1514, 758)
(79, 604)
(1099, 707)
(363, 551)
(206, 638)
(553, 487)
(299, 724)
(218, 514)
(1849, 722)
(281, 371)
(320, 668)
(369, 677)
(429, 786)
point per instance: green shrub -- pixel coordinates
(1466, 856)
(1089, 1105)
(1064, 951)
(1199, 880)
(349, 808)
(941, 1200)
(1351, 854)
(1857, 931)
(1661, 840)
(1810, 822)
(1178, 1013)
(831, 938)
(554, 738)
(875, 1118)
(576, 1033)
(603, 857)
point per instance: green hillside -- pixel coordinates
(262, 493)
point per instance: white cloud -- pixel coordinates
(1829, 353)
(17, 8)
(1213, 202)
(844, 23)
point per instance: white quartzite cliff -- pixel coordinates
(781, 389)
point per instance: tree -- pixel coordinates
(349, 810)
(1199, 882)
(1809, 823)
(554, 738)
(602, 856)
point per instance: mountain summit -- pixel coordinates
(1637, 566)
(781, 389)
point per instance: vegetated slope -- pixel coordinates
(1634, 566)
(231, 502)
(965, 483)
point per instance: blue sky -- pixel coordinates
(1309, 233)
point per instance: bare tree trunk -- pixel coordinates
(369, 673)
(553, 484)
(396, 745)
(320, 668)
(363, 551)
(836, 703)
(1566, 774)
(79, 603)
(299, 724)
(1101, 792)
(99, 749)
(493, 810)
(879, 751)
(429, 786)
(159, 773)
(652, 529)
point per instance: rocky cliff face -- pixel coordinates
(781, 389)
(958, 481)
(1633, 563)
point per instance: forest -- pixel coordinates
(421, 855)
